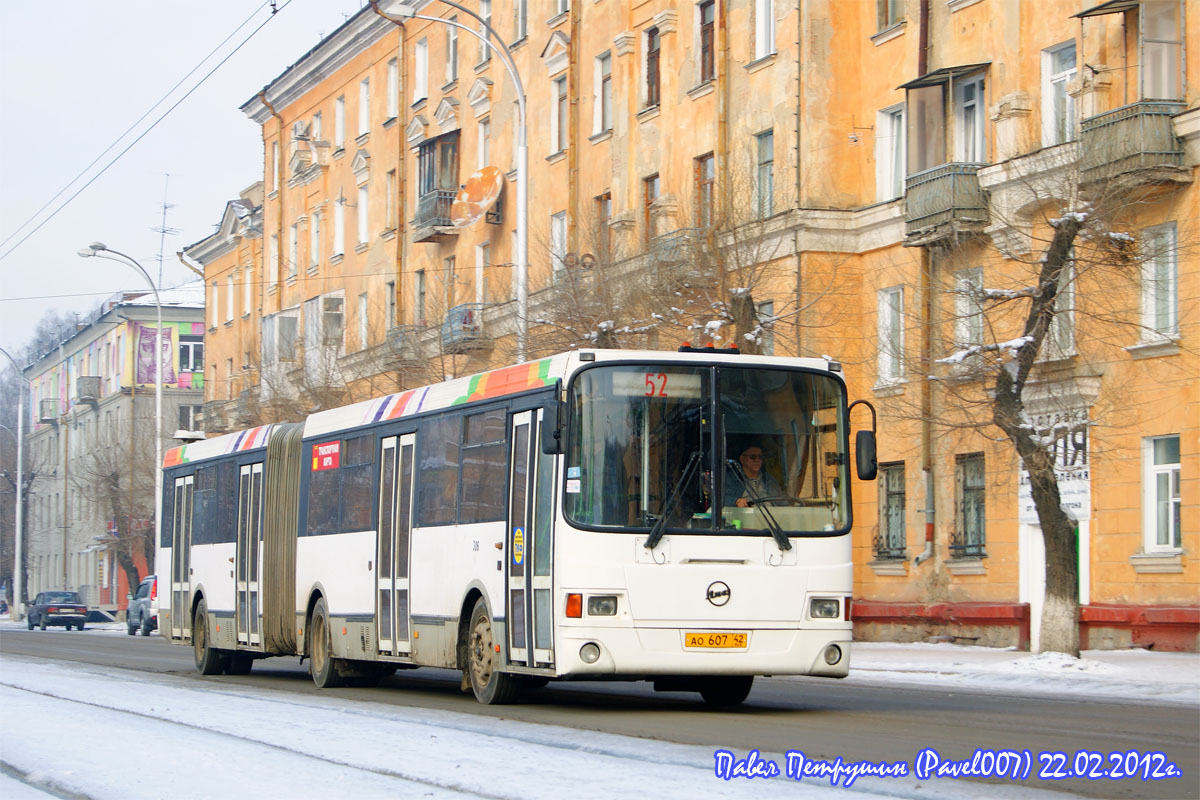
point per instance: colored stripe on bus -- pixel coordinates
(175, 456)
(510, 380)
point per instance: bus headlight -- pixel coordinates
(589, 653)
(602, 605)
(823, 608)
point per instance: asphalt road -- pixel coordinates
(822, 718)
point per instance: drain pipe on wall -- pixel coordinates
(927, 403)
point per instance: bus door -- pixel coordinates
(249, 546)
(181, 560)
(395, 525)
(530, 546)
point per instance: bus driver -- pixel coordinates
(753, 483)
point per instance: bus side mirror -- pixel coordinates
(864, 455)
(551, 427)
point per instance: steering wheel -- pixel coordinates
(781, 498)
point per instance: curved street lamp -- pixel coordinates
(405, 11)
(100, 250)
(18, 538)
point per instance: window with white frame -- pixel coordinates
(339, 226)
(452, 51)
(363, 317)
(389, 200)
(1161, 502)
(420, 71)
(766, 321)
(363, 216)
(652, 88)
(393, 89)
(1160, 283)
(364, 106)
(520, 19)
(602, 104)
(1162, 50)
(706, 39)
(483, 144)
(1060, 337)
(764, 28)
(390, 299)
(765, 173)
(971, 118)
(558, 116)
(483, 259)
(558, 242)
(889, 153)
(275, 165)
(247, 289)
(968, 307)
(213, 313)
(888, 13)
(191, 353)
(419, 291)
(314, 239)
(1058, 106)
(189, 417)
(273, 261)
(229, 298)
(485, 11)
(890, 313)
(293, 249)
(561, 7)
(890, 540)
(339, 123)
(316, 127)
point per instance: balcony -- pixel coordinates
(1133, 146)
(403, 343)
(463, 329)
(432, 222)
(87, 389)
(678, 246)
(942, 202)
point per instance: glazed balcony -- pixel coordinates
(463, 329)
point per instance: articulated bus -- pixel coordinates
(585, 516)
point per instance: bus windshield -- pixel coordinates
(713, 449)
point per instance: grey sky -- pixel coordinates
(73, 76)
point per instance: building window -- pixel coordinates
(393, 89)
(970, 112)
(603, 101)
(451, 51)
(483, 259)
(451, 283)
(1058, 107)
(390, 299)
(247, 289)
(765, 311)
(189, 417)
(765, 174)
(1160, 283)
(891, 335)
(1162, 51)
(521, 19)
(1060, 337)
(1161, 501)
(293, 250)
(363, 318)
(890, 540)
(603, 243)
(191, 353)
(421, 71)
(707, 41)
(363, 218)
(970, 517)
(764, 28)
(888, 13)
(558, 243)
(485, 50)
(364, 106)
(968, 307)
(316, 127)
(274, 177)
(314, 239)
(420, 304)
(484, 144)
(558, 117)
(339, 123)
(889, 153)
(229, 298)
(389, 200)
(650, 188)
(653, 50)
(437, 169)
(561, 7)
(339, 226)
(213, 314)
(705, 168)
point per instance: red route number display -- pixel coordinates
(670, 385)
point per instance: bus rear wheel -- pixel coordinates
(208, 658)
(321, 664)
(490, 685)
(238, 665)
(726, 691)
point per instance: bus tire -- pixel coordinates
(490, 685)
(321, 664)
(725, 691)
(208, 658)
(238, 664)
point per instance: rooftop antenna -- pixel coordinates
(163, 230)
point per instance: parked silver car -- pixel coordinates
(143, 607)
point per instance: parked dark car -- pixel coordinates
(57, 608)
(142, 612)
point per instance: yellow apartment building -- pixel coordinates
(877, 180)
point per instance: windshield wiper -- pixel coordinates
(776, 531)
(660, 524)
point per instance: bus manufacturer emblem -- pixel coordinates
(718, 593)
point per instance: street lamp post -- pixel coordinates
(405, 11)
(18, 538)
(100, 250)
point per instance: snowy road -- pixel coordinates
(85, 731)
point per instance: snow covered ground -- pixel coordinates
(173, 737)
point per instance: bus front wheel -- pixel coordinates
(490, 685)
(321, 663)
(726, 691)
(208, 658)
